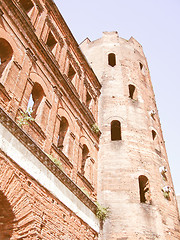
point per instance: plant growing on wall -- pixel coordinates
(95, 128)
(56, 161)
(166, 191)
(102, 212)
(85, 191)
(163, 171)
(25, 117)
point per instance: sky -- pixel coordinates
(155, 24)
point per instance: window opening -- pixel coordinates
(144, 190)
(35, 99)
(132, 91)
(62, 132)
(71, 72)
(141, 66)
(27, 5)
(85, 155)
(51, 41)
(112, 59)
(88, 99)
(153, 134)
(115, 130)
(6, 54)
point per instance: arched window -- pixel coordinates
(115, 130)
(35, 99)
(85, 154)
(6, 218)
(6, 54)
(144, 190)
(62, 132)
(132, 91)
(112, 59)
(153, 134)
(27, 5)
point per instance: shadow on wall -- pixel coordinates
(6, 218)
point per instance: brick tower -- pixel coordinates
(133, 171)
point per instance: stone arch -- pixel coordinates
(7, 217)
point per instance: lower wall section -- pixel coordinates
(29, 211)
(34, 203)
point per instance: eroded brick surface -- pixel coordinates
(29, 211)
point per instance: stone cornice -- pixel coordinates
(26, 140)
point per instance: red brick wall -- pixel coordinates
(33, 62)
(29, 211)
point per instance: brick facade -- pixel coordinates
(53, 158)
(42, 68)
(133, 168)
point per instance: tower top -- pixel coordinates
(113, 38)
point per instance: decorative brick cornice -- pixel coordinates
(26, 140)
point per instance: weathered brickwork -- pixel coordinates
(29, 211)
(133, 168)
(44, 69)
(54, 161)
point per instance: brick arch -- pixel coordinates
(35, 77)
(64, 113)
(85, 164)
(115, 117)
(83, 140)
(5, 35)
